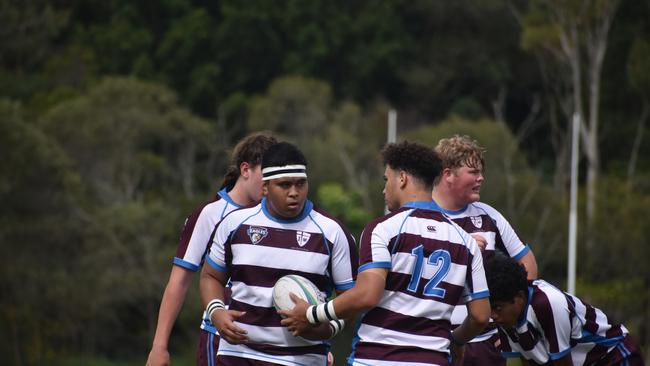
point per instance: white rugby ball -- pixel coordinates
(304, 288)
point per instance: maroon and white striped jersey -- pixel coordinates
(256, 249)
(555, 323)
(197, 237)
(432, 264)
(482, 219)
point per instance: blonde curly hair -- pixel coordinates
(458, 151)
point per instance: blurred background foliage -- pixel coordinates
(117, 118)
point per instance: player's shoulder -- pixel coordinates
(238, 215)
(327, 221)
(546, 294)
(388, 223)
(484, 208)
(216, 205)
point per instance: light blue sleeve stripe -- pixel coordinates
(522, 253)
(479, 295)
(558, 355)
(344, 286)
(386, 265)
(510, 354)
(185, 264)
(216, 266)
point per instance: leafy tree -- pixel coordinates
(575, 34)
(37, 231)
(344, 205)
(303, 110)
(93, 220)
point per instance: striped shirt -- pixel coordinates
(256, 249)
(482, 219)
(555, 323)
(197, 236)
(432, 264)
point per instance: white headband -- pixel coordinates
(293, 171)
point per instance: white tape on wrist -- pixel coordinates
(311, 315)
(214, 304)
(321, 313)
(336, 326)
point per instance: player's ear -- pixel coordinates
(446, 174)
(244, 169)
(265, 188)
(403, 179)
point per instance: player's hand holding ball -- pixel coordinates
(292, 295)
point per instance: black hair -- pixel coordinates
(281, 154)
(505, 278)
(418, 160)
(250, 150)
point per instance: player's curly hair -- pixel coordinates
(505, 278)
(418, 160)
(250, 150)
(283, 153)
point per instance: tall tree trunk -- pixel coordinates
(636, 145)
(596, 45)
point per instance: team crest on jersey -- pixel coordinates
(302, 237)
(257, 233)
(477, 221)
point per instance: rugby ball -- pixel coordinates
(304, 288)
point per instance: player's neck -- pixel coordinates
(238, 194)
(415, 196)
(445, 200)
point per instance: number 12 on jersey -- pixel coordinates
(439, 259)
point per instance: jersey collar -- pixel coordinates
(224, 195)
(427, 205)
(305, 212)
(449, 212)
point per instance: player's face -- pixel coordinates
(391, 188)
(506, 313)
(466, 184)
(255, 183)
(286, 196)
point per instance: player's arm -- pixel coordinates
(514, 245)
(477, 319)
(212, 285)
(530, 263)
(172, 301)
(314, 332)
(365, 295)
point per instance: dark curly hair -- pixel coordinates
(505, 278)
(418, 160)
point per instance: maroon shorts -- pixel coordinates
(206, 355)
(483, 353)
